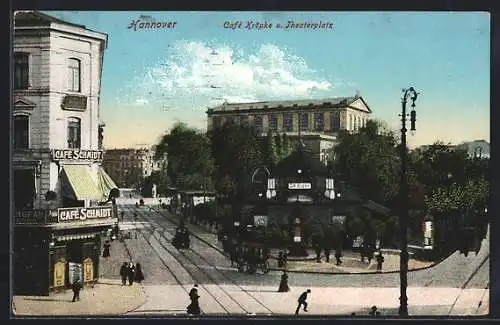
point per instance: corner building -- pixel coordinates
(61, 205)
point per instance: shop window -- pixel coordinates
(21, 71)
(74, 133)
(74, 75)
(21, 132)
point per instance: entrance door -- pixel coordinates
(24, 189)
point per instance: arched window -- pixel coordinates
(21, 132)
(74, 75)
(74, 133)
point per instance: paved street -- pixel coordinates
(170, 273)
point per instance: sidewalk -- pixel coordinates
(107, 297)
(351, 262)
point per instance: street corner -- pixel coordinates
(107, 297)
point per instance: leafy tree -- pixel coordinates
(190, 162)
(286, 146)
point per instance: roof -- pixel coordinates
(336, 101)
(300, 159)
(33, 17)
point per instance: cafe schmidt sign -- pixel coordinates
(76, 155)
(82, 214)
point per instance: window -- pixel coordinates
(21, 132)
(319, 121)
(257, 121)
(304, 121)
(244, 120)
(217, 122)
(288, 122)
(21, 70)
(335, 121)
(74, 133)
(74, 68)
(273, 123)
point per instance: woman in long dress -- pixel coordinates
(139, 276)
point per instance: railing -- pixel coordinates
(38, 216)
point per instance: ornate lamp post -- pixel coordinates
(403, 299)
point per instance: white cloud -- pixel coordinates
(195, 75)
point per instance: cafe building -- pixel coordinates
(62, 203)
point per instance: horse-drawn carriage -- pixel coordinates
(249, 257)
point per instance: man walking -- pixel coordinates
(76, 287)
(124, 273)
(302, 301)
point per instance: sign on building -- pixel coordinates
(260, 221)
(299, 186)
(82, 214)
(338, 220)
(59, 273)
(76, 155)
(75, 272)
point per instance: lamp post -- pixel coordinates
(411, 94)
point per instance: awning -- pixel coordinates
(106, 184)
(81, 185)
(76, 237)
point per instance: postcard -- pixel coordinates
(250, 164)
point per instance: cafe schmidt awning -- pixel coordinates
(80, 185)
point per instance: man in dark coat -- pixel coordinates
(76, 287)
(131, 273)
(302, 301)
(124, 273)
(105, 252)
(194, 306)
(139, 276)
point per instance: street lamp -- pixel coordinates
(411, 94)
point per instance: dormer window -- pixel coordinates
(74, 75)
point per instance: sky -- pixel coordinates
(153, 78)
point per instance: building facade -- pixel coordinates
(61, 204)
(316, 122)
(128, 167)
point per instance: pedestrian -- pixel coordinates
(284, 283)
(124, 272)
(194, 306)
(302, 301)
(131, 273)
(122, 215)
(338, 255)
(139, 276)
(280, 259)
(374, 312)
(76, 287)
(380, 260)
(105, 252)
(327, 254)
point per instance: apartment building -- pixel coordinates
(60, 206)
(316, 121)
(128, 166)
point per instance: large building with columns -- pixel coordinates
(61, 205)
(316, 121)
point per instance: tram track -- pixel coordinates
(191, 261)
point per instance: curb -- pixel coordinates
(174, 220)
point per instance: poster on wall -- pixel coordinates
(75, 271)
(59, 273)
(88, 270)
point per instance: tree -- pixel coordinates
(190, 161)
(286, 146)
(369, 160)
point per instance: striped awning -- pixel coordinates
(81, 184)
(106, 184)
